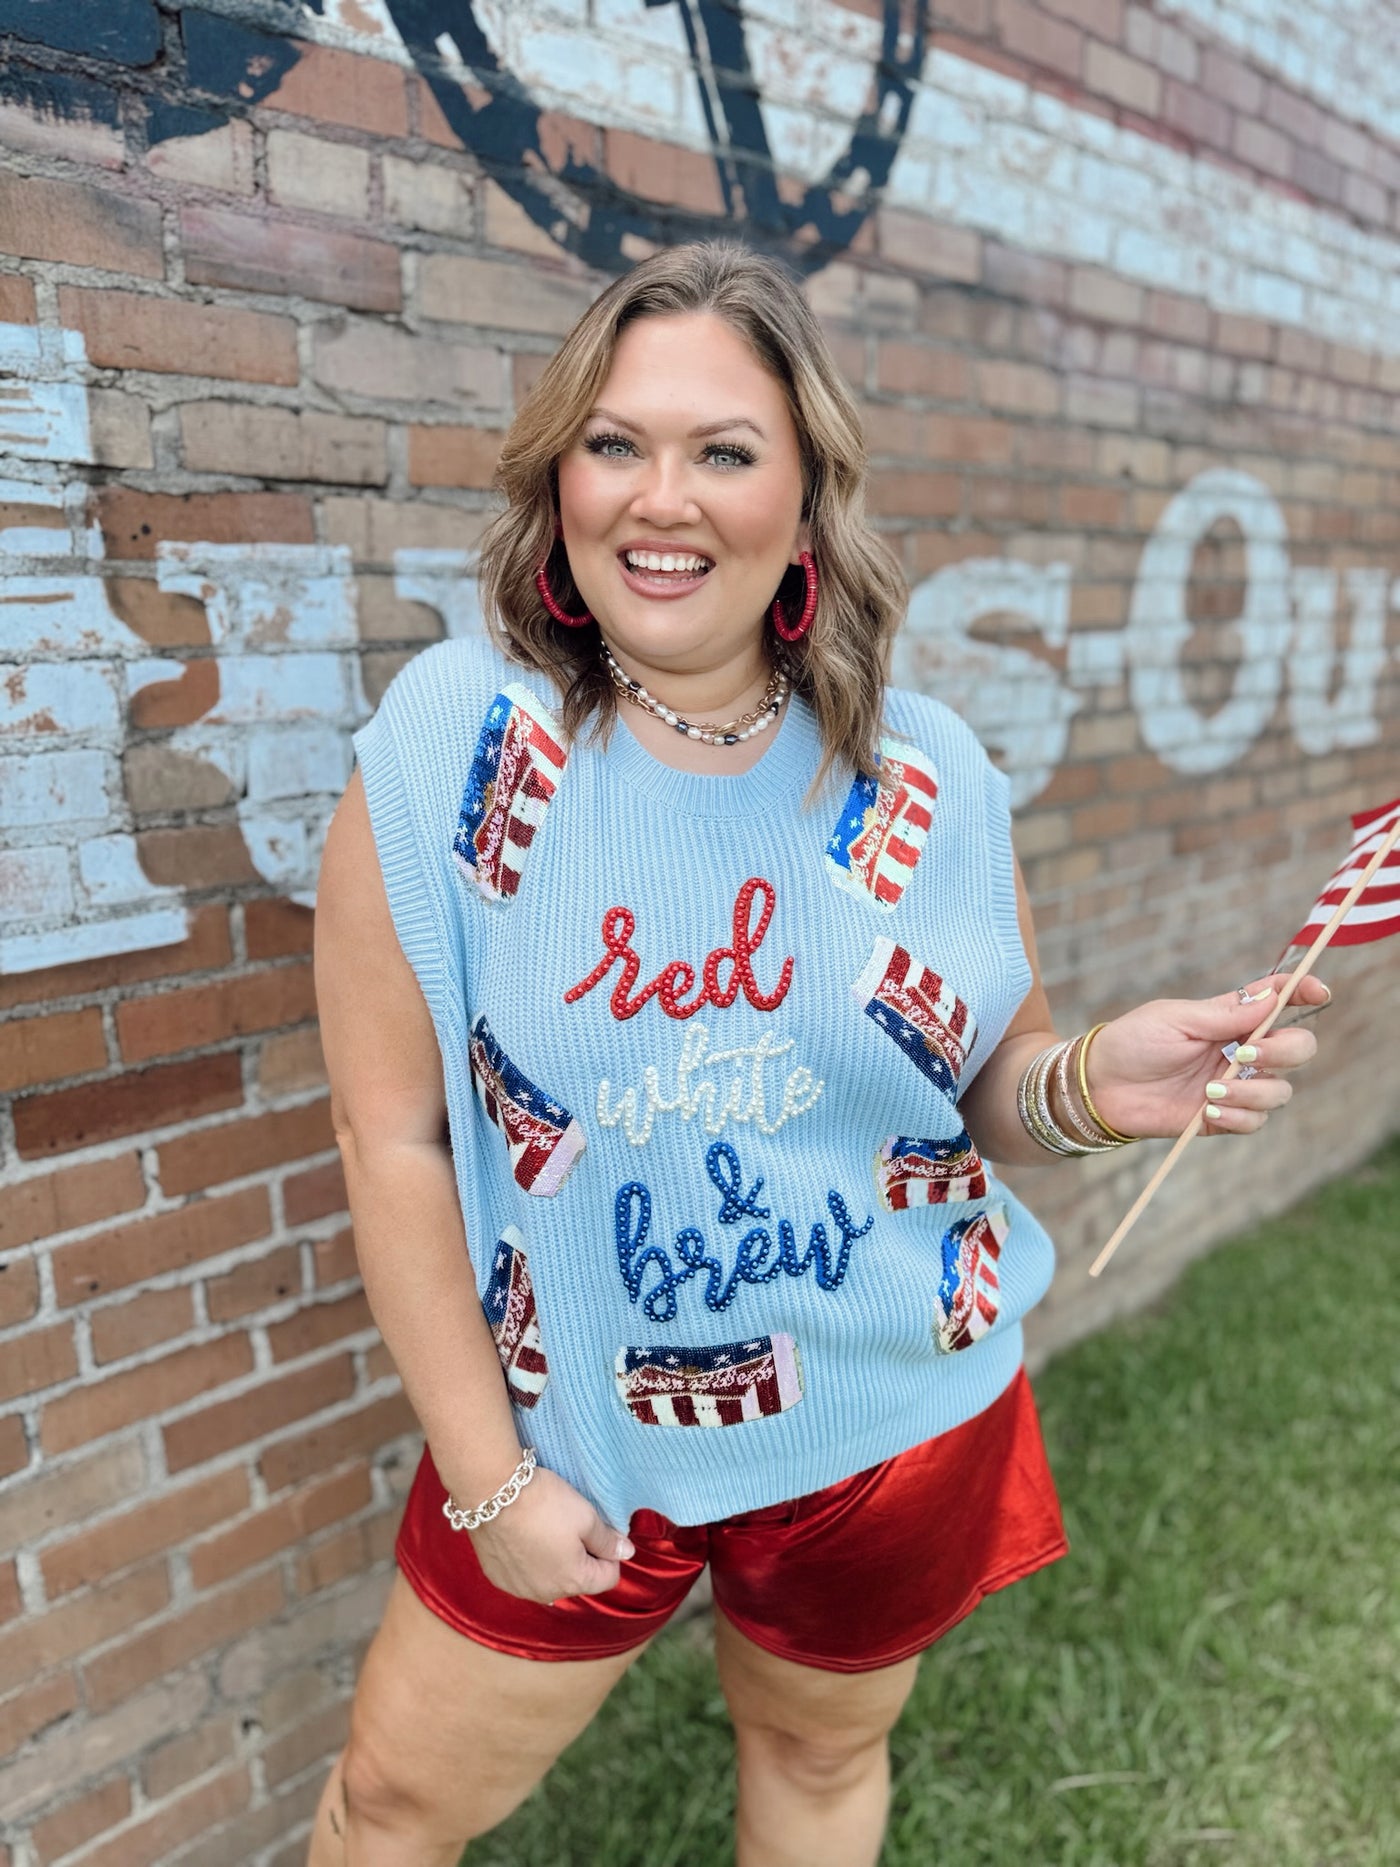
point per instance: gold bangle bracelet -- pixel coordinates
(1088, 1100)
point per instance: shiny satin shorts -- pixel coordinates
(850, 1578)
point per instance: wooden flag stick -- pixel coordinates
(1300, 971)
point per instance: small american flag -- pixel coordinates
(1376, 911)
(722, 1386)
(969, 1290)
(924, 1015)
(509, 1303)
(541, 1136)
(911, 1172)
(874, 847)
(514, 773)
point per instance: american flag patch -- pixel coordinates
(924, 1016)
(874, 847)
(515, 771)
(509, 1303)
(911, 1172)
(969, 1289)
(541, 1136)
(723, 1386)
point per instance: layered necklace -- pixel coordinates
(757, 720)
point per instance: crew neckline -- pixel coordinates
(780, 776)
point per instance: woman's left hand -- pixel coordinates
(1149, 1069)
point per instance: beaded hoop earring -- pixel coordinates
(550, 601)
(794, 632)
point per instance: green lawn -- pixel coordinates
(1211, 1676)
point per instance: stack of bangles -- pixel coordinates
(1061, 1062)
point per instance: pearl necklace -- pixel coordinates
(757, 720)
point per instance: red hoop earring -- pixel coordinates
(551, 602)
(794, 632)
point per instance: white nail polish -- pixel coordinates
(1213, 1113)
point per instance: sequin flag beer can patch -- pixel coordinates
(969, 1290)
(541, 1136)
(882, 828)
(727, 1385)
(920, 1011)
(514, 774)
(509, 1303)
(913, 1171)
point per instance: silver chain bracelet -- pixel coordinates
(473, 1519)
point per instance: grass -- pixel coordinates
(1208, 1680)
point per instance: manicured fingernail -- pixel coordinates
(1328, 990)
(625, 1552)
(1214, 1114)
(1217, 1092)
(1246, 1053)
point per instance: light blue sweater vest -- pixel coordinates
(703, 1045)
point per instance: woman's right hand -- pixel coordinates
(550, 1543)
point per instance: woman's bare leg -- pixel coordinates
(446, 1738)
(814, 1767)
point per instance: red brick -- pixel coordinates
(921, 369)
(1021, 387)
(11, 1603)
(352, 1435)
(155, 1839)
(45, 219)
(291, 1062)
(204, 1435)
(335, 1259)
(344, 87)
(130, 1104)
(142, 331)
(918, 245)
(40, 1359)
(314, 1194)
(324, 177)
(319, 1323)
(192, 1753)
(207, 946)
(915, 495)
(1224, 76)
(134, 522)
(452, 456)
(1033, 35)
(123, 1329)
(28, 1712)
(82, 1819)
(254, 1285)
(282, 444)
(46, 1050)
(499, 294)
(17, 299)
(220, 159)
(318, 1737)
(142, 1393)
(19, 1290)
(166, 1523)
(167, 620)
(282, 1524)
(228, 1152)
(195, 1015)
(14, 1452)
(682, 178)
(332, 1559)
(48, 1640)
(1204, 118)
(212, 1622)
(1100, 507)
(275, 256)
(1126, 80)
(197, 856)
(167, 1241)
(273, 929)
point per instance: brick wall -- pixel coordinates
(1115, 286)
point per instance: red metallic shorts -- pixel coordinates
(851, 1578)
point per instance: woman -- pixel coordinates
(677, 982)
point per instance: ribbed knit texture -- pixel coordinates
(874, 1368)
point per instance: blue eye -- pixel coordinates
(603, 444)
(738, 456)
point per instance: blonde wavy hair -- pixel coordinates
(841, 666)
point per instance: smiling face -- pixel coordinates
(681, 498)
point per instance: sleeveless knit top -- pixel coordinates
(703, 1044)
